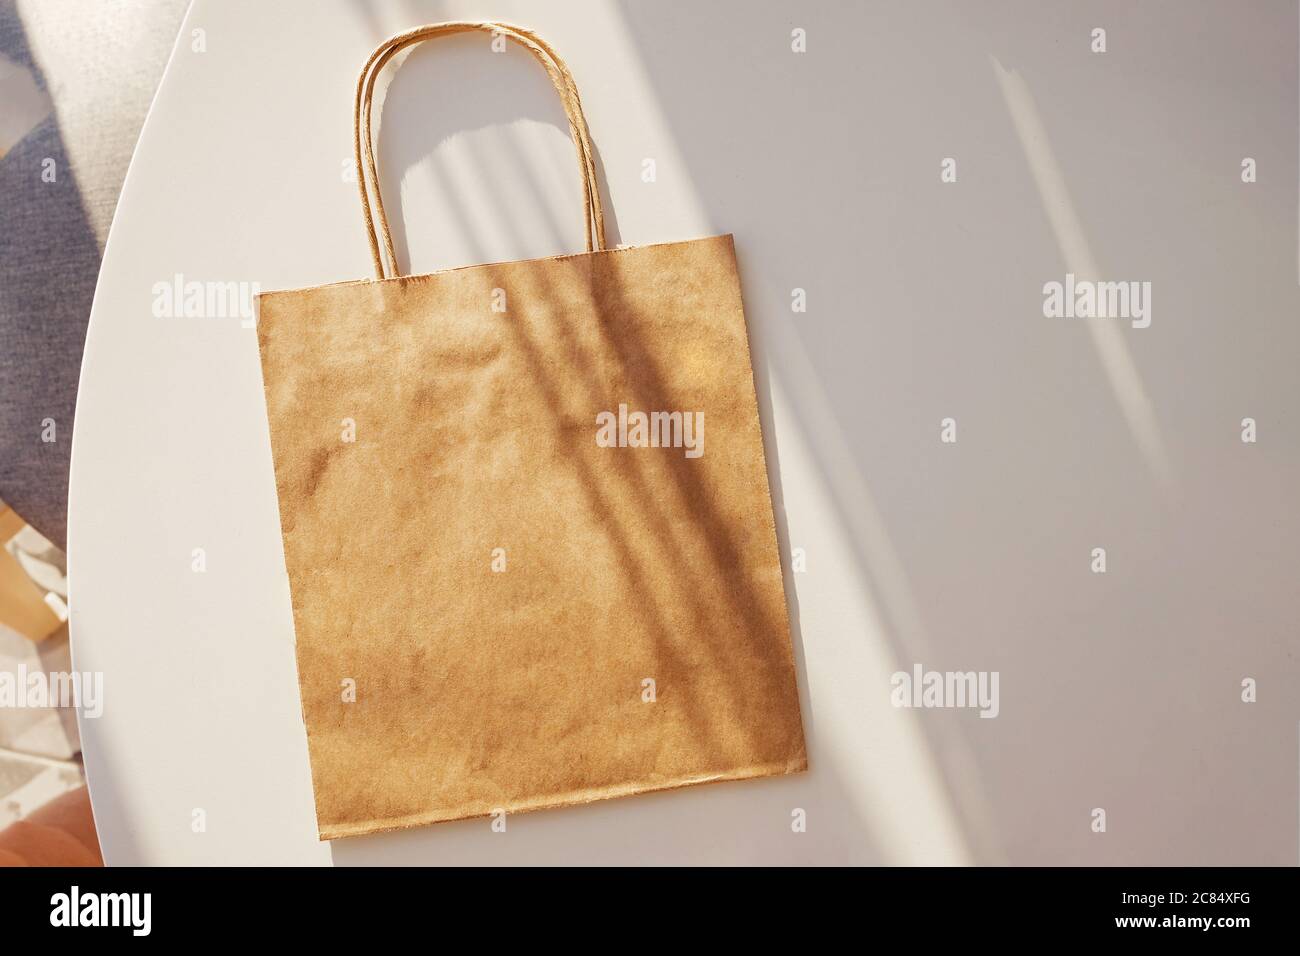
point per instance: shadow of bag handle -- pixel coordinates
(363, 145)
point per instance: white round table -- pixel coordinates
(924, 302)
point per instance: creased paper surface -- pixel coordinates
(493, 611)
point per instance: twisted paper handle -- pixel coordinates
(363, 146)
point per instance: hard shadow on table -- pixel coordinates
(925, 302)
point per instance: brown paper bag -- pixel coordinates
(526, 522)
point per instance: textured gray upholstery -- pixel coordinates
(53, 232)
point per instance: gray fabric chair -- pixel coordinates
(54, 232)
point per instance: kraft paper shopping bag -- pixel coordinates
(526, 521)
